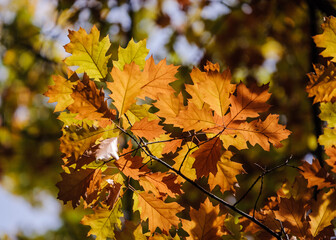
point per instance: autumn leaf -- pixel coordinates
(206, 223)
(316, 175)
(160, 184)
(88, 52)
(328, 113)
(74, 185)
(158, 213)
(147, 129)
(323, 211)
(131, 166)
(207, 156)
(89, 103)
(328, 38)
(227, 171)
(249, 102)
(156, 79)
(331, 152)
(172, 145)
(292, 214)
(92, 192)
(104, 221)
(126, 86)
(60, 92)
(328, 138)
(130, 231)
(264, 132)
(76, 139)
(234, 228)
(322, 83)
(137, 112)
(192, 118)
(134, 52)
(169, 107)
(184, 161)
(215, 88)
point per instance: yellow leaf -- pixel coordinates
(323, 211)
(186, 160)
(76, 139)
(126, 86)
(60, 92)
(328, 138)
(327, 39)
(104, 221)
(215, 88)
(88, 52)
(134, 52)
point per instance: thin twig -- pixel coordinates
(260, 191)
(226, 204)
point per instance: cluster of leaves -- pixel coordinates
(166, 140)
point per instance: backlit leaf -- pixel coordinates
(88, 52)
(158, 213)
(134, 52)
(327, 39)
(103, 221)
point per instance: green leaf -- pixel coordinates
(134, 52)
(88, 52)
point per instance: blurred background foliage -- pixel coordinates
(263, 41)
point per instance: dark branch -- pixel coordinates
(226, 204)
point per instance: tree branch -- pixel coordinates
(209, 194)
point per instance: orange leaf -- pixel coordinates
(205, 222)
(249, 101)
(316, 175)
(225, 178)
(131, 166)
(156, 79)
(89, 103)
(169, 106)
(126, 86)
(147, 129)
(172, 146)
(207, 156)
(193, 118)
(215, 88)
(160, 184)
(264, 133)
(159, 213)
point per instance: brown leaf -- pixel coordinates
(207, 156)
(292, 214)
(316, 175)
(74, 185)
(89, 103)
